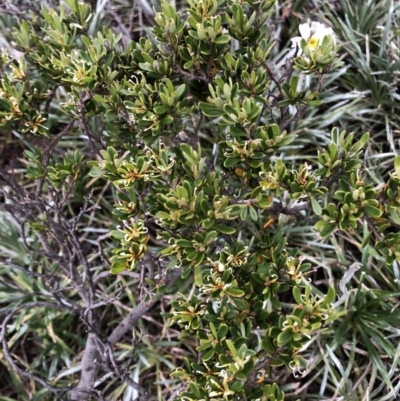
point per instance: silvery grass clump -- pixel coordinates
(191, 126)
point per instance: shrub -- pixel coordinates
(188, 130)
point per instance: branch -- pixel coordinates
(295, 211)
(203, 77)
(90, 368)
(371, 226)
(5, 262)
(52, 281)
(130, 320)
(83, 124)
(101, 275)
(285, 110)
(299, 113)
(46, 155)
(271, 74)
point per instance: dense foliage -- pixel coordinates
(192, 152)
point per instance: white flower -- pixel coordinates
(313, 34)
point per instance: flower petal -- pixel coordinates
(305, 31)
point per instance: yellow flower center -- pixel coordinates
(312, 42)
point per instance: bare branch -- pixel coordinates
(47, 153)
(299, 113)
(203, 77)
(295, 210)
(89, 367)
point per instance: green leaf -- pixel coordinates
(294, 83)
(284, 338)
(366, 240)
(213, 330)
(210, 237)
(397, 166)
(198, 276)
(275, 302)
(221, 40)
(253, 213)
(117, 234)
(297, 295)
(117, 268)
(232, 348)
(327, 229)
(394, 216)
(224, 229)
(315, 206)
(161, 109)
(86, 41)
(210, 110)
(234, 292)
(188, 65)
(372, 211)
(167, 120)
(364, 139)
(329, 297)
(208, 355)
(231, 161)
(192, 256)
(268, 345)
(222, 331)
(195, 389)
(184, 243)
